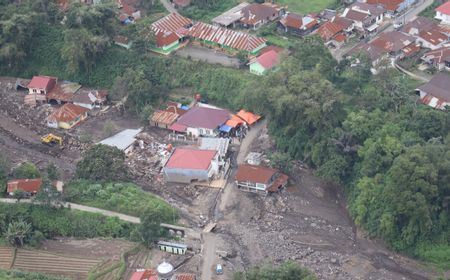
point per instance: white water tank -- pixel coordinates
(165, 271)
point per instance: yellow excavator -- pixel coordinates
(51, 139)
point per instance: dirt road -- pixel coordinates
(74, 206)
(209, 55)
(307, 223)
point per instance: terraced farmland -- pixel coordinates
(6, 255)
(58, 265)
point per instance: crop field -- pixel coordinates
(6, 255)
(306, 6)
(52, 264)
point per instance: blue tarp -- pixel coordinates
(225, 128)
(185, 107)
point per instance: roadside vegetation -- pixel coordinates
(206, 10)
(21, 275)
(287, 271)
(25, 223)
(306, 6)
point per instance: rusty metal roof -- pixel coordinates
(171, 23)
(227, 37)
(164, 117)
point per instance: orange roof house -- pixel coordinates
(41, 84)
(26, 185)
(248, 117)
(260, 179)
(67, 116)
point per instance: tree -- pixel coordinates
(52, 172)
(108, 128)
(48, 195)
(4, 171)
(19, 194)
(102, 162)
(81, 49)
(26, 170)
(150, 229)
(287, 271)
(17, 232)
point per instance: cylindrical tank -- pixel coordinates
(165, 271)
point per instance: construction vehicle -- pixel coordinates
(51, 139)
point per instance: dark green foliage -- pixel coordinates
(207, 9)
(4, 171)
(21, 275)
(125, 198)
(52, 172)
(150, 231)
(102, 162)
(287, 271)
(64, 222)
(26, 170)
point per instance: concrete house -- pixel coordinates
(67, 116)
(436, 93)
(365, 17)
(443, 13)
(201, 121)
(264, 62)
(187, 165)
(259, 179)
(231, 17)
(41, 85)
(334, 32)
(393, 7)
(297, 24)
(29, 186)
(439, 58)
(256, 15)
(90, 99)
(432, 39)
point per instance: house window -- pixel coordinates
(201, 130)
(34, 90)
(42, 92)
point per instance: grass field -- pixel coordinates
(306, 6)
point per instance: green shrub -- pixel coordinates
(125, 198)
(22, 275)
(26, 170)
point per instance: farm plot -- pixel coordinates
(38, 261)
(6, 256)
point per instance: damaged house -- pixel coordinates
(254, 178)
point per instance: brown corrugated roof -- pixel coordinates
(171, 23)
(356, 15)
(390, 5)
(438, 86)
(433, 37)
(393, 41)
(164, 117)
(292, 20)
(68, 112)
(255, 174)
(255, 12)
(439, 55)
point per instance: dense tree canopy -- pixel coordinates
(102, 162)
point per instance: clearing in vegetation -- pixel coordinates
(306, 6)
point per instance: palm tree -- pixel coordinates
(17, 231)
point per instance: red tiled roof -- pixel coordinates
(42, 82)
(166, 38)
(178, 127)
(184, 276)
(292, 20)
(202, 117)
(148, 274)
(226, 37)
(411, 49)
(68, 112)
(173, 107)
(27, 185)
(248, 117)
(329, 30)
(433, 37)
(444, 8)
(356, 15)
(420, 24)
(390, 5)
(340, 38)
(270, 48)
(189, 158)
(268, 59)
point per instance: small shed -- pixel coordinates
(174, 248)
(163, 119)
(123, 140)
